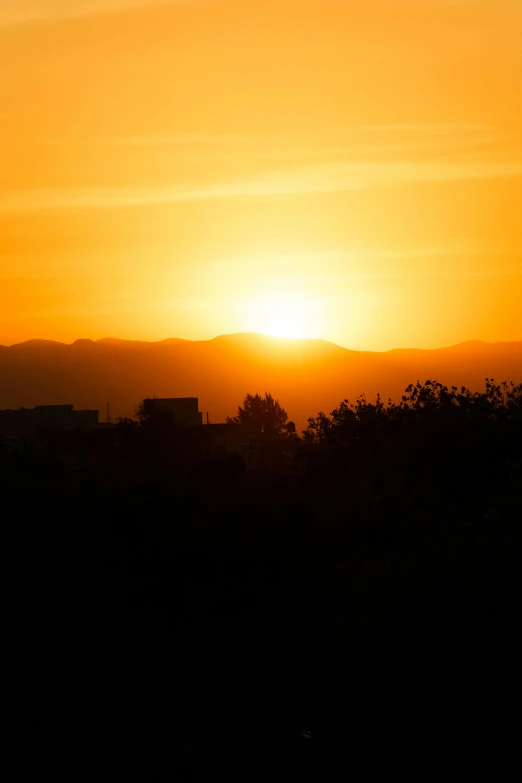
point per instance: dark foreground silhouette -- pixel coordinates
(306, 373)
(342, 606)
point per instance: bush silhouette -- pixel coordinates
(264, 414)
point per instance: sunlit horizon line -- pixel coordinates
(262, 334)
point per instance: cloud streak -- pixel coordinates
(28, 12)
(318, 178)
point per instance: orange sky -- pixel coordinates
(334, 168)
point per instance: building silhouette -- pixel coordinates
(27, 422)
(175, 410)
(49, 421)
(183, 412)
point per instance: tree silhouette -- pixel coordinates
(430, 405)
(140, 411)
(125, 421)
(262, 413)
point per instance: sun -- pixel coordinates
(284, 314)
(284, 329)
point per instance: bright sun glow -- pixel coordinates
(280, 314)
(284, 329)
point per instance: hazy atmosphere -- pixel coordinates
(322, 168)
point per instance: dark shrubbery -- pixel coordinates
(180, 615)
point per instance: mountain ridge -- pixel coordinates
(307, 376)
(235, 336)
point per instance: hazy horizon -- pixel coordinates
(270, 337)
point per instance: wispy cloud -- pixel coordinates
(451, 132)
(432, 128)
(319, 178)
(377, 144)
(27, 12)
(356, 143)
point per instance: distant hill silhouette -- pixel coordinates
(305, 375)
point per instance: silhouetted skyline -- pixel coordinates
(308, 374)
